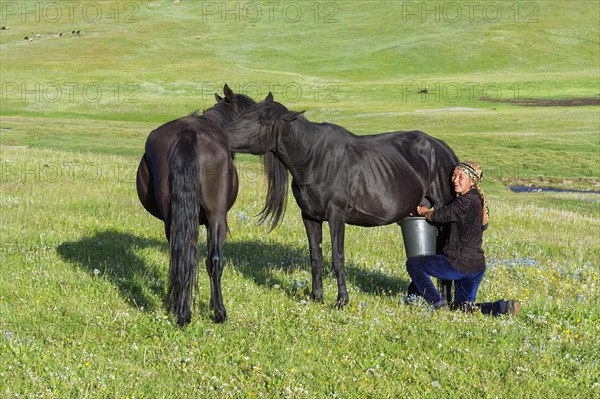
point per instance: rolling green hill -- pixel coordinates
(152, 59)
(360, 64)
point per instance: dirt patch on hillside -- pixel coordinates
(565, 102)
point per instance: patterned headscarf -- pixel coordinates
(475, 173)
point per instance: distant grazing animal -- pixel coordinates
(341, 178)
(186, 177)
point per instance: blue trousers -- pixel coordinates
(420, 268)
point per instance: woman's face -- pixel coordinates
(462, 182)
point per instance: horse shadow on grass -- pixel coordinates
(263, 262)
(115, 256)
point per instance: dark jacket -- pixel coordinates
(463, 216)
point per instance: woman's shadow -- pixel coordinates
(115, 255)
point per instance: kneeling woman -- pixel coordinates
(463, 260)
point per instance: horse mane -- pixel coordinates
(218, 115)
(244, 102)
(196, 113)
(224, 112)
(277, 191)
(277, 176)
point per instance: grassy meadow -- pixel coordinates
(83, 267)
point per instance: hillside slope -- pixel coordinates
(135, 59)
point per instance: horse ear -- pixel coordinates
(269, 98)
(218, 98)
(229, 96)
(291, 115)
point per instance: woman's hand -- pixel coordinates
(422, 210)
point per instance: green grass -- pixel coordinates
(531, 146)
(83, 268)
(84, 279)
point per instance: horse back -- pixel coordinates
(379, 179)
(218, 178)
(437, 161)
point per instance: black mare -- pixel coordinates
(341, 178)
(187, 178)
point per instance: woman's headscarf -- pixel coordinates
(475, 173)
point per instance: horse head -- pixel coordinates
(256, 130)
(230, 107)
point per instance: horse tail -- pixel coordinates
(277, 191)
(184, 217)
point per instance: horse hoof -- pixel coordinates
(220, 317)
(317, 298)
(183, 321)
(341, 302)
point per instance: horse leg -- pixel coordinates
(337, 230)
(145, 188)
(217, 231)
(314, 231)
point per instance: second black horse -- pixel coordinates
(341, 178)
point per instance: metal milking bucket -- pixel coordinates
(419, 236)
